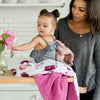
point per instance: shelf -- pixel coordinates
(34, 5)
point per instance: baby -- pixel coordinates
(44, 43)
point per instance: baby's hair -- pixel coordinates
(54, 14)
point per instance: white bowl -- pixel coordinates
(29, 1)
(1, 1)
(49, 1)
(10, 1)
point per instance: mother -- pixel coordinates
(80, 31)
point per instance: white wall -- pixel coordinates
(22, 20)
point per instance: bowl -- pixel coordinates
(10, 1)
(1, 1)
(29, 1)
(49, 1)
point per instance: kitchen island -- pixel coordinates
(19, 88)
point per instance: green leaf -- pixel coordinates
(5, 36)
(20, 68)
(1, 47)
(29, 65)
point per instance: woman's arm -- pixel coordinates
(96, 95)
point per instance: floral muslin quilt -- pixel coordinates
(27, 68)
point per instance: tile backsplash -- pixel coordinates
(24, 29)
(24, 25)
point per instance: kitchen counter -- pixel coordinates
(19, 88)
(10, 78)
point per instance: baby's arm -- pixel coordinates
(26, 46)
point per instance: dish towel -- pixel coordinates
(55, 86)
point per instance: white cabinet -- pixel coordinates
(19, 95)
(20, 91)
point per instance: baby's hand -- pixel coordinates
(13, 48)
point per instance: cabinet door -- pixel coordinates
(20, 95)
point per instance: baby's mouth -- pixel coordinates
(41, 31)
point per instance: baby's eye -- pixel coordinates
(45, 26)
(38, 24)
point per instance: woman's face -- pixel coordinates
(79, 10)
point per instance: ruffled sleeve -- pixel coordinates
(53, 45)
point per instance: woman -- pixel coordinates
(80, 31)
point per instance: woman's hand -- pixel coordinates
(82, 89)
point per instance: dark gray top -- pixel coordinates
(46, 53)
(86, 52)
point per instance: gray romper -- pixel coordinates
(46, 53)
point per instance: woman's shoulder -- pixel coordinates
(97, 41)
(62, 20)
(97, 36)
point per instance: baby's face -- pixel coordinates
(45, 26)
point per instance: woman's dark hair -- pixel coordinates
(54, 14)
(93, 14)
